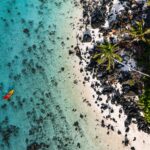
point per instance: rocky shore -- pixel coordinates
(116, 96)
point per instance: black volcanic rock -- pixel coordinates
(126, 88)
(87, 37)
(107, 89)
(126, 142)
(97, 18)
(132, 148)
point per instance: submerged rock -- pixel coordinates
(33, 146)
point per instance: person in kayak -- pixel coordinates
(9, 94)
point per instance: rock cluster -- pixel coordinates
(95, 15)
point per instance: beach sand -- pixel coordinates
(93, 128)
(137, 139)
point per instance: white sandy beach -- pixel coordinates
(92, 127)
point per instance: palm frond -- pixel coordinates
(107, 54)
(138, 32)
(148, 3)
(147, 31)
(101, 60)
(96, 55)
(118, 57)
(109, 65)
(115, 47)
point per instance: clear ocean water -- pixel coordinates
(33, 62)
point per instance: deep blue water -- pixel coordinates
(32, 55)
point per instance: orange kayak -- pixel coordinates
(9, 94)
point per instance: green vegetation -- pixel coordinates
(144, 101)
(138, 32)
(131, 82)
(148, 3)
(107, 54)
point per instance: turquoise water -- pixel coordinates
(33, 55)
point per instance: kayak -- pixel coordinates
(9, 94)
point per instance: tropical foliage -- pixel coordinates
(138, 32)
(148, 3)
(144, 103)
(107, 55)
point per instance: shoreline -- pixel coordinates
(57, 103)
(131, 136)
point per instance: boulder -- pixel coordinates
(130, 94)
(97, 18)
(87, 36)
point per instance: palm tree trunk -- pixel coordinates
(131, 68)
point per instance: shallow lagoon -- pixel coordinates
(33, 39)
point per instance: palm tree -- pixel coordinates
(107, 54)
(138, 33)
(148, 3)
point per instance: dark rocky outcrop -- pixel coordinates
(87, 37)
(97, 18)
